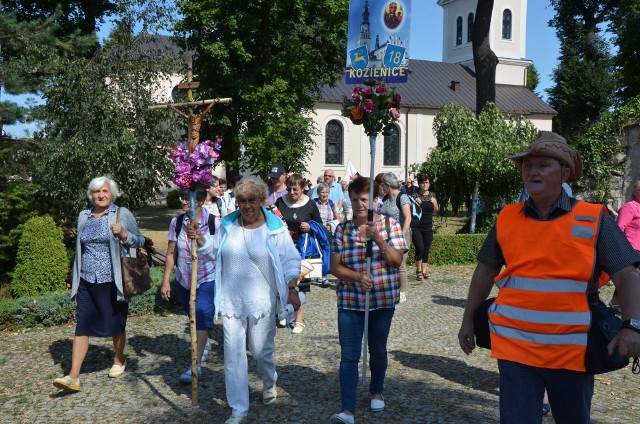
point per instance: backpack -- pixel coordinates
(416, 210)
(211, 222)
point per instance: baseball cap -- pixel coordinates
(275, 171)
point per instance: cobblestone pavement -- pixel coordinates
(429, 379)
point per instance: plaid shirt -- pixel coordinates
(206, 264)
(326, 211)
(348, 242)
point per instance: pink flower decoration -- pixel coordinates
(183, 167)
(357, 90)
(381, 89)
(182, 180)
(203, 176)
(369, 107)
(368, 93)
(356, 98)
(394, 113)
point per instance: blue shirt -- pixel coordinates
(96, 258)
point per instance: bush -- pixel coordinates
(41, 264)
(484, 222)
(451, 249)
(173, 199)
(57, 308)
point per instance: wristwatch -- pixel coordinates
(631, 324)
(296, 288)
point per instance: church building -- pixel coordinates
(431, 85)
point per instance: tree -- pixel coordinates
(473, 157)
(98, 123)
(624, 26)
(485, 60)
(533, 78)
(583, 85)
(271, 58)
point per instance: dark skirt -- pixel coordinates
(99, 314)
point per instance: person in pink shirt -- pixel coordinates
(629, 222)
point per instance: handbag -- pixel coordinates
(604, 327)
(136, 275)
(481, 324)
(316, 272)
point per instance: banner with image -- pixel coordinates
(378, 41)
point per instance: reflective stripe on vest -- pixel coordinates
(541, 315)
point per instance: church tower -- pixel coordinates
(507, 37)
(365, 28)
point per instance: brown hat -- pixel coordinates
(552, 145)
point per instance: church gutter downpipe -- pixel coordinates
(406, 144)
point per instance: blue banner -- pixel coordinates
(378, 40)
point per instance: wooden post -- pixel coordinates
(195, 122)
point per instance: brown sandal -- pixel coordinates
(419, 276)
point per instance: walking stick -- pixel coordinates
(192, 303)
(365, 338)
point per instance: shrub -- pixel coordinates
(41, 264)
(57, 308)
(452, 249)
(484, 222)
(173, 199)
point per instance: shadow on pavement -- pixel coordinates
(447, 301)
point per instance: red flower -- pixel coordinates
(369, 107)
(356, 113)
(381, 89)
(368, 93)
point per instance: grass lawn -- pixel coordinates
(154, 221)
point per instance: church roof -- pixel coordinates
(430, 87)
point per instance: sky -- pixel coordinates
(426, 43)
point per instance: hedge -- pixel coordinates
(57, 308)
(452, 249)
(41, 263)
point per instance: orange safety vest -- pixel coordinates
(541, 315)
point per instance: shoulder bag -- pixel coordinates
(136, 276)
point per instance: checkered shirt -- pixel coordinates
(348, 242)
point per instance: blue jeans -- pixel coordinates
(350, 331)
(522, 388)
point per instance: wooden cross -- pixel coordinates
(195, 122)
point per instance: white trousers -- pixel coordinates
(261, 339)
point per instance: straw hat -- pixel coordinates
(550, 144)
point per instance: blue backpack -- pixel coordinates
(416, 210)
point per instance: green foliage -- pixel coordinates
(599, 142)
(583, 85)
(533, 78)
(173, 199)
(452, 249)
(98, 122)
(473, 149)
(57, 308)
(271, 58)
(485, 221)
(17, 204)
(42, 264)
(624, 26)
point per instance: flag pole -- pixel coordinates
(365, 338)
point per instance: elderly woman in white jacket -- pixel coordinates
(256, 261)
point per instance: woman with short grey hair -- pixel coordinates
(256, 262)
(391, 186)
(97, 277)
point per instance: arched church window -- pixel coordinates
(391, 148)
(506, 24)
(333, 142)
(469, 27)
(459, 31)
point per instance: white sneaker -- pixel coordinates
(341, 418)
(235, 419)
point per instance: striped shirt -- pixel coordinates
(206, 265)
(348, 242)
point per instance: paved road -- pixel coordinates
(429, 379)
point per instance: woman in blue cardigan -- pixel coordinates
(97, 277)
